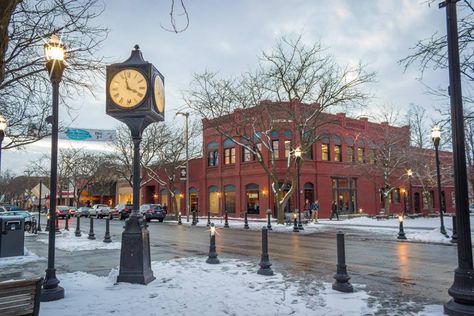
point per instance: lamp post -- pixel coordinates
(404, 192)
(461, 290)
(436, 136)
(410, 203)
(39, 206)
(186, 131)
(3, 127)
(54, 53)
(298, 154)
(401, 232)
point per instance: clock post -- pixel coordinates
(135, 96)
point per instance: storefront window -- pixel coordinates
(164, 198)
(345, 194)
(229, 198)
(252, 194)
(214, 199)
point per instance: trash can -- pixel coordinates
(12, 236)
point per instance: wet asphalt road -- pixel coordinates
(392, 271)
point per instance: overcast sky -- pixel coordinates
(228, 36)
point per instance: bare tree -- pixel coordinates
(154, 137)
(388, 154)
(304, 81)
(25, 88)
(171, 156)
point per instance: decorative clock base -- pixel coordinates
(135, 263)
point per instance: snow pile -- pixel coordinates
(19, 260)
(192, 287)
(189, 286)
(69, 242)
(430, 236)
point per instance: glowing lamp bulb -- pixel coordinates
(213, 230)
(400, 218)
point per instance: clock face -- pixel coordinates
(128, 88)
(159, 94)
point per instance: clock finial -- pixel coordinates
(136, 47)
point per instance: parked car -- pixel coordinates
(83, 211)
(24, 213)
(99, 211)
(10, 207)
(2, 209)
(62, 211)
(152, 211)
(72, 211)
(121, 211)
(471, 208)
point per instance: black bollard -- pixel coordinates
(265, 260)
(66, 225)
(269, 223)
(47, 225)
(454, 238)
(194, 219)
(208, 218)
(78, 233)
(212, 257)
(401, 232)
(300, 224)
(179, 219)
(295, 226)
(226, 220)
(342, 278)
(246, 223)
(107, 238)
(91, 230)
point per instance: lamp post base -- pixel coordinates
(54, 294)
(135, 262)
(455, 309)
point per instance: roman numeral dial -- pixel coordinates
(128, 88)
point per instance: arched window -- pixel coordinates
(252, 195)
(229, 198)
(337, 148)
(212, 154)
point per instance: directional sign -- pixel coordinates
(84, 134)
(183, 173)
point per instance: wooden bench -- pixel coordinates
(20, 297)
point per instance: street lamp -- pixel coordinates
(436, 136)
(186, 131)
(3, 127)
(298, 154)
(401, 232)
(54, 52)
(410, 203)
(461, 290)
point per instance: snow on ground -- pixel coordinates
(416, 230)
(19, 260)
(189, 286)
(69, 242)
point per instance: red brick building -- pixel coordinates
(340, 166)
